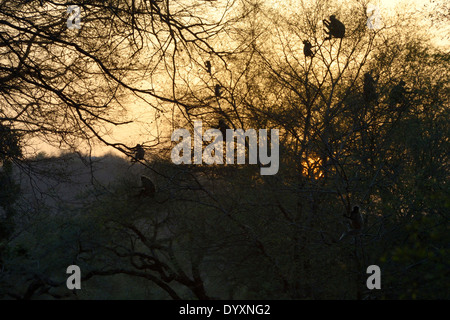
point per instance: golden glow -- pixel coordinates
(312, 167)
(148, 125)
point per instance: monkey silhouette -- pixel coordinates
(397, 94)
(307, 49)
(148, 187)
(222, 126)
(139, 152)
(356, 223)
(370, 92)
(208, 66)
(217, 90)
(335, 28)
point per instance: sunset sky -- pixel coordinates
(145, 130)
(340, 166)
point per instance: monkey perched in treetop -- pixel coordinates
(139, 152)
(356, 218)
(370, 92)
(356, 223)
(222, 126)
(148, 187)
(335, 28)
(217, 90)
(397, 94)
(307, 48)
(208, 66)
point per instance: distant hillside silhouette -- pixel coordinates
(55, 181)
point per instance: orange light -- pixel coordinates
(311, 167)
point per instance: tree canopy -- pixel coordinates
(363, 120)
